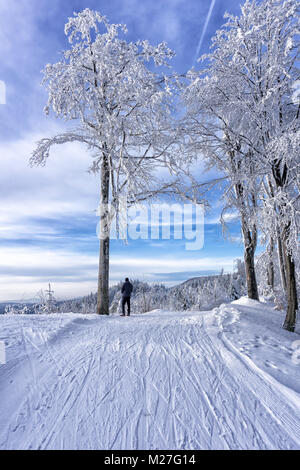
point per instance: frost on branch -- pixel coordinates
(123, 108)
(243, 115)
(123, 113)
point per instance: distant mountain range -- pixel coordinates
(197, 293)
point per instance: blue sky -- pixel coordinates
(47, 218)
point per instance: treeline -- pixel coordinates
(201, 293)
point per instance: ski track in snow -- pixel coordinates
(162, 380)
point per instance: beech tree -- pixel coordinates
(246, 92)
(209, 125)
(122, 109)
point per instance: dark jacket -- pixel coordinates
(127, 289)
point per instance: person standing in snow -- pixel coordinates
(126, 293)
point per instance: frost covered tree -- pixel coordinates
(209, 124)
(122, 107)
(246, 91)
(11, 310)
(50, 300)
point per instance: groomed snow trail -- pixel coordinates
(162, 380)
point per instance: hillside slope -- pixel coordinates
(162, 380)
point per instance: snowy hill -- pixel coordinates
(163, 380)
(200, 293)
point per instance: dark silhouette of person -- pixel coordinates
(126, 293)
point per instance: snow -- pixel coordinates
(222, 379)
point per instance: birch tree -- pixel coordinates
(122, 108)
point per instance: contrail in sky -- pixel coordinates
(204, 30)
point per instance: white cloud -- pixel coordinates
(154, 18)
(163, 20)
(19, 28)
(62, 187)
(228, 218)
(174, 265)
(25, 270)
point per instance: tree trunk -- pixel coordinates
(250, 274)
(292, 300)
(103, 274)
(270, 269)
(250, 242)
(280, 174)
(249, 252)
(279, 243)
(281, 263)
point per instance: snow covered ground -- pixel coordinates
(222, 379)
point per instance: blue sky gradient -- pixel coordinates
(47, 218)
